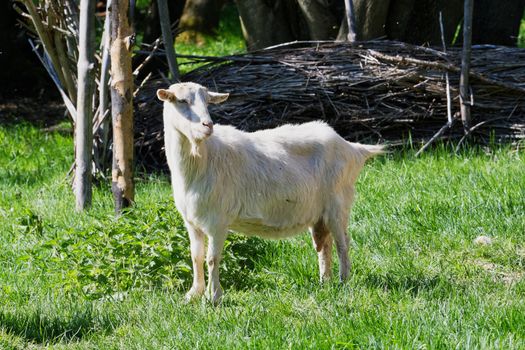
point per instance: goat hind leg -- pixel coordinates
(337, 227)
(323, 245)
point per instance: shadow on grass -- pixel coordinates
(21, 177)
(41, 112)
(44, 329)
(240, 265)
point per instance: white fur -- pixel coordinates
(272, 183)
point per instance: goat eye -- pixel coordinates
(184, 101)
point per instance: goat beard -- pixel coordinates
(195, 149)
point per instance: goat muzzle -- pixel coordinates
(209, 125)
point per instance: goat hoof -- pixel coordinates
(215, 298)
(325, 278)
(344, 278)
(193, 295)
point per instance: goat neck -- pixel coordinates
(186, 159)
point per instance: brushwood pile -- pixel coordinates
(376, 91)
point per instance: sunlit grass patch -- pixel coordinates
(89, 281)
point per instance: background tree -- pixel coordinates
(121, 106)
(270, 22)
(84, 120)
(266, 23)
(464, 87)
(167, 39)
(148, 21)
(320, 18)
(199, 17)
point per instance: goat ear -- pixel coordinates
(166, 95)
(216, 97)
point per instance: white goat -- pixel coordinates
(273, 183)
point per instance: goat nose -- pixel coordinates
(209, 125)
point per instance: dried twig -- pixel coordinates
(446, 67)
(52, 73)
(450, 121)
(438, 134)
(449, 100)
(152, 52)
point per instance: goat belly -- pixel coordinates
(256, 227)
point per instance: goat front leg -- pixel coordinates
(197, 244)
(213, 258)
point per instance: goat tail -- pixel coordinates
(374, 150)
(368, 151)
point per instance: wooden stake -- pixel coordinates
(104, 122)
(121, 106)
(465, 65)
(449, 99)
(165, 26)
(84, 121)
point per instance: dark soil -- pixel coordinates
(38, 111)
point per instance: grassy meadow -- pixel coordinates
(89, 281)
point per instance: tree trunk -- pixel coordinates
(165, 26)
(84, 121)
(350, 21)
(151, 23)
(103, 130)
(265, 23)
(152, 31)
(270, 22)
(398, 21)
(465, 65)
(200, 17)
(121, 106)
(322, 23)
(370, 17)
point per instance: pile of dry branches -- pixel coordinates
(375, 91)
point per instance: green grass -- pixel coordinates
(89, 281)
(227, 41)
